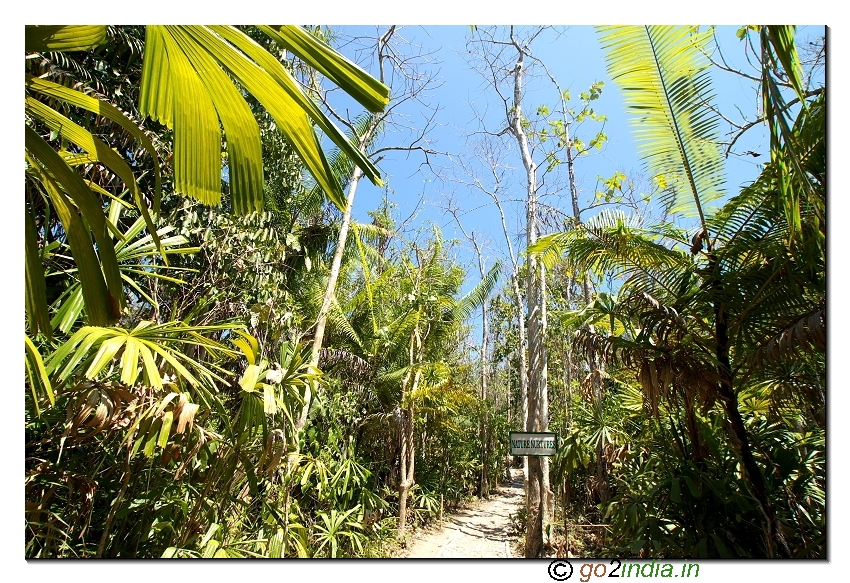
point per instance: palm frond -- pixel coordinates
(35, 299)
(667, 88)
(805, 334)
(340, 324)
(614, 243)
(132, 253)
(550, 248)
(371, 93)
(81, 217)
(351, 365)
(477, 296)
(37, 376)
(341, 163)
(42, 38)
(113, 114)
(142, 350)
(185, 86)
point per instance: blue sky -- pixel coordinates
(462, 97)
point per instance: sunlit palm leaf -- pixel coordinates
(97, 151)
(36, 291)
(63, 38)
(613, 242)
(37, 375)
(664, 76)
(781, 39)
(172, 93)
(58, 180)
(789, 150)
(187, 86)
(104, 109)
(244, 151)
(550, 248)
(354, 78)
(149, 346)
(371, 93)
(184, 86)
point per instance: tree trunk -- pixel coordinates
(736, 427)
(321, 322)
(534, 507)
(538, 496)
(543, 408)
(408, 451)
(405, 482)
(330, 290)
(336, 265)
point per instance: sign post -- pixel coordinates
(533, 443)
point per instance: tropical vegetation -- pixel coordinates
(223, 361)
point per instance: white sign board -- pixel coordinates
(531, 443)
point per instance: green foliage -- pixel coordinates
(712, 416)
(184, 85)
(167, 344)
(171, 433)
(562, 125)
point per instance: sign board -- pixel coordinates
(533, 443)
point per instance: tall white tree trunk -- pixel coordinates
(330, 289)
(336, 265)
(539, 499)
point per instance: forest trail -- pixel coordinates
(481, 532)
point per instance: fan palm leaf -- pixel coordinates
(193, 62)
(90, 143)
(81, 217)
(187, 84)
(102, 285)
(370, 92)
(142, 350)
(64, 38)
(37, 376)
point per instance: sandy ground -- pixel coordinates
(482, 531)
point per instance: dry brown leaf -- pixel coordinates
(186, 417)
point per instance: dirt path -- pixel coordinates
(483, 531)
